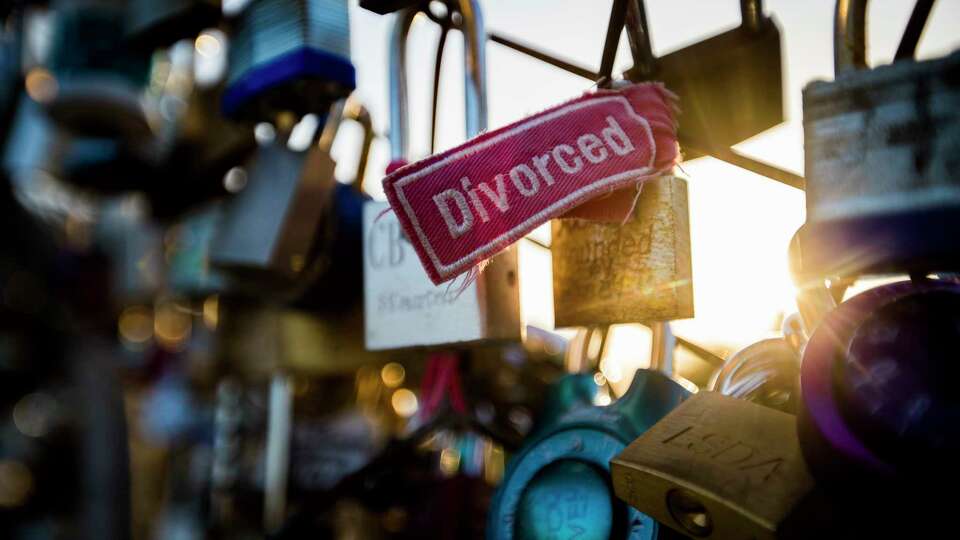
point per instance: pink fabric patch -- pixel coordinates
(465, 205)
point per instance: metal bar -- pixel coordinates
(703, 354)
(762, 168)
(438, 64)
(911, 34)
(638, 35)
(548, 58)
(849, 36)
(618, 16)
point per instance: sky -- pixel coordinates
(740, 222)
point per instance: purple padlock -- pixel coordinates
(876, 384)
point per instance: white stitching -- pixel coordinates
(462, 263)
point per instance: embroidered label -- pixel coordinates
(464, 205)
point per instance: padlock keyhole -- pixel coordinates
(689, 512)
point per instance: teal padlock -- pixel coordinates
(558, 484)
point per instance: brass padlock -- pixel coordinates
(720, 467)
(611, 273)
(880, 161)
(403, 307)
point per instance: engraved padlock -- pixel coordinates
(403, 308)
(880, 161)
(289, 55)
(152, 24)
(558, 484)
(730, 85)
(724, 468)
(268, 234)
(611, 273)
(99, 80)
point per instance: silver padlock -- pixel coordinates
(403, 308)
(881, 147)
(766, 372)
(267, 236)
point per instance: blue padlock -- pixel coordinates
(289, 56)
(558, 484)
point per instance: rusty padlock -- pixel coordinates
(403, 307)
(881, 144)
(611, 273)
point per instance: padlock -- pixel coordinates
(153, 24)
(99, 81)
(289, 56)
(766, 372)
(268, 235)
(334, 279)
(730, 85)
(880, 161)
(403, 308)
(876, 387)
(720, 467)
(611, 273)
(558, 484)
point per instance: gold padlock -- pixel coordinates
(721, 467)
(608, 273)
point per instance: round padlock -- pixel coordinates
(559, 483)
(876, 385)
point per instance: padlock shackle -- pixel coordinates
(349, 109)
(475, 80)
(662, 347)
(751, 14)
(638, 32)
(354, 110)
(849, 36)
